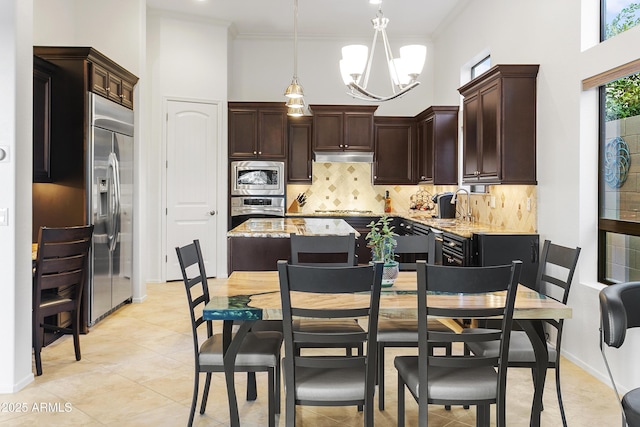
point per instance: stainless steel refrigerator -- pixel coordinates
(109, 205)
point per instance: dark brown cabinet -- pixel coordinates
(499, 126)
(395, 150)
(437, 129)
(257, 130)
(43, 74)
(109, 83)
(299, 158)
(343, 127)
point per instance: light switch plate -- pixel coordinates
(492, 202)
(4, 217)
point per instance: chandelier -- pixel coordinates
(355, 65)
(294, 92)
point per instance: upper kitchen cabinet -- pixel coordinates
(343, 127)
(299, 158)
(499, 126)
(101, 75)
(395, 148)
(257, 130)
(437, 129)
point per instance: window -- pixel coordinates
(480, 67)
(617, 16)
(619, 189)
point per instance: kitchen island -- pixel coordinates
(258, 243)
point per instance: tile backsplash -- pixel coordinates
(348, 186)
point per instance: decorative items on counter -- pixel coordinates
(421, 200)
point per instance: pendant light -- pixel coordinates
(294, 92)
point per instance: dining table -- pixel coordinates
(248, 296)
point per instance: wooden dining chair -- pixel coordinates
(459, 379)
(327, 379)
(326, 251)
(59, 280)
(259, 352)
(618, 313)
(404, 333)
(555, 275)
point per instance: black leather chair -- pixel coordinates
(58, 282)
(259, 352)
(329, 379)
(458, 380)
(555, 274)
(404, 333)
(619, 312)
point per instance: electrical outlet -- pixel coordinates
(4, 216)
(528, 204)
(492, 202)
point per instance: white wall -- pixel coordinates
(15, 176)
(187, 60)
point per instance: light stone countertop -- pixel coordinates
(284, 227)
(449, 225)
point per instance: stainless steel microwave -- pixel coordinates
(257, 178)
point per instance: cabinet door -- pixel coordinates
(99, 80)
(299, 164)
(126, 94)
(358, 131)
(394, 151)
(425, 150)
(328, 131)
(489, 165)
(115, 88)
(41, 124)
(243, 133)
(272, 128)
(470, 167)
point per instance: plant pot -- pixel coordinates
(389, 273)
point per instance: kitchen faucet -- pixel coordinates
(467, 216)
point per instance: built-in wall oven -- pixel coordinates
(257, 178)
(257, 190)
(246, 207)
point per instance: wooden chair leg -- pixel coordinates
(76, 333)
(272, 398)
(38, 336)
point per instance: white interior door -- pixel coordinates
(191, 211)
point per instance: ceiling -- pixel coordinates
(316, 18)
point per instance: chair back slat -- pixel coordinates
(556, 269)
(308, 291)
(433, 280)
(414, 247)
(336, 251)
(194, 278)
(62, 260)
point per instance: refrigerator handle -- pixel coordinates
(114, 202)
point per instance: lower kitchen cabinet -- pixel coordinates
(256, 253)
(500, 249)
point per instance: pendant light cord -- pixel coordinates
(295, 39)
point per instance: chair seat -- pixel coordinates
(326, 325)
(257, 349)
(329, 385)
(405, 330)
(520, 348)
(631, 406)
(452, 384)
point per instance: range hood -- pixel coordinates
(343, 156)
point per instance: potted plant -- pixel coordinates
(382, 243)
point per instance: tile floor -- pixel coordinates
(137, 370)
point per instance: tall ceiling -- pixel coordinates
(316, 18)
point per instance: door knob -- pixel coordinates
(212, 213)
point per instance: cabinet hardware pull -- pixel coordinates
(212, 213)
